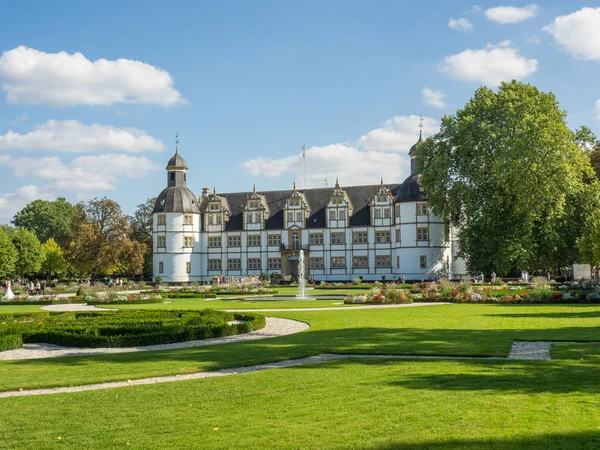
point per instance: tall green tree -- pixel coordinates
(141, 230)
(30, 252)
(8, 255)
(55, 263)
(48, 219)
(508, 173)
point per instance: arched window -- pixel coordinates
(295, 241)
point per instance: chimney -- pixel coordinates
(205, 192)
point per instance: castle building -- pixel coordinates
(375, 232)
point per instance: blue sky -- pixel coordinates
(245, 84)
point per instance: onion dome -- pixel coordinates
(177, 163)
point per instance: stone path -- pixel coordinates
(275, 327)
(520, 351)
(75, 307)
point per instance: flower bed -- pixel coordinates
(89, 298)
(121, 328)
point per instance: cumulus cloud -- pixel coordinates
(73, 136)
(397, 134)
(490, 65)
(83, 174)
(461, 24)
(382, 152)
(434, 98)
(30, 76)
(578, 33)
(351, 165)
(512, 14)
(12, 202)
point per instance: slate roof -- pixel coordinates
(176, 162)
(317, 199)
(176, 199)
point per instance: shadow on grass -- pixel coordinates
(576, 311)
(398, 341)
(586, 440)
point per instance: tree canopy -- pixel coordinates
(8, 254)
(30, 252)
(47, 219)
(509, 174)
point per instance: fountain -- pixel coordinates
(301, 277)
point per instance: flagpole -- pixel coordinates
(304, 158)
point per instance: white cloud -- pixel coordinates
(490, 65)
(73, 136)
(578, 33)
(533, 39)
(433, 98)
(85, 173)
(12, 202)
(397, 134)
(598, 110)
(512, 14)
(351, 165)
(382, 152)
(34, 77)
(460, 24)
(475, 8)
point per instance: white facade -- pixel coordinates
(396, 238)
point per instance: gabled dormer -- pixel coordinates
(255, 211)
(339, 208)
(382, 207)
(296, 210)
(216, 213)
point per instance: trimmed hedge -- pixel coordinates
(10, 342)
(122, 328)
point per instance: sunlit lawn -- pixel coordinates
(459, 329)
(378, 404)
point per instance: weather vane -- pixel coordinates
(176, 142)
(420, 127)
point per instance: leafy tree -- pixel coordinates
(141, 230)
(8, 254)
(131, 257)
(106, 215)
(84, 249)
(595, 159)
(29, 250)
(47, 219)
(509, 174)
(55, 263)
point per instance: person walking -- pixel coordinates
(43, 287)
(493, 277)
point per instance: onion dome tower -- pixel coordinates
(176, 198)
(176, 226)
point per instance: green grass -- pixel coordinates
(466, 329)
(248, 303)
(375, 404)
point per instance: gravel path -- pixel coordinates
(75, 307)
(521, 350)
(275, 327)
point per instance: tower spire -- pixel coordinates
(176, 143)
(421, 128)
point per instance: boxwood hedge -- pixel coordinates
(122, 328)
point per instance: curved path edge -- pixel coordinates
(325, 357)
(275, 327)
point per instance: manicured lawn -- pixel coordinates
(220, 303)
(376, 404)
(465, 329)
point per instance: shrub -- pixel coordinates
(541, 293)
(123, 328)
(593, 297)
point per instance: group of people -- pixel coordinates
(117, 283)
(36, 288)
(525, 277)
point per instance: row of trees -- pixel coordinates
(56, 238)
(517, 183)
